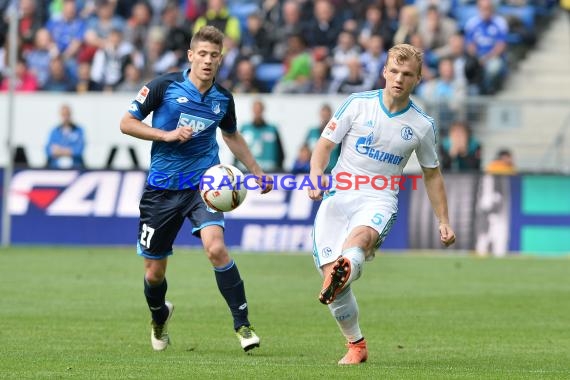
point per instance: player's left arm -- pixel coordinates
(435, 188)
(237, 145)
(433, 180)
(240, 150)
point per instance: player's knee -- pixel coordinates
(364, 238)
(216, 252)
(155, 271)
(154, 276)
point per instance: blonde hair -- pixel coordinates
(404, 52)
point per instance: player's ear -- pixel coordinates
(189, 54)
(384, 72)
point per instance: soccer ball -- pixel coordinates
(222, 187)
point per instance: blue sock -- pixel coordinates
(155, 296)
(231, 287)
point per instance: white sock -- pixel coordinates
(345, 310)
(356, 257)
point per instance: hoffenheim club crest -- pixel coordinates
(216, 108)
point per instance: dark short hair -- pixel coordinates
(504, 152)
(433, 7)
(460, 123)
(298, 36)
(210, 34)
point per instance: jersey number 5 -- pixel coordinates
(146, 235)
(377, 219)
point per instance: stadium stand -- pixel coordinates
(528, 21)
(269, 73)
(541, 81)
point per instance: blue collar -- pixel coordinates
(388, 113)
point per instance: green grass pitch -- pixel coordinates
(80, 313)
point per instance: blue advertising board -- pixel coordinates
(491, 215)
(101, 208)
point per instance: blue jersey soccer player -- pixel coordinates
(379, 130)
(188, 107)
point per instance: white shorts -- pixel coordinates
(342, 211)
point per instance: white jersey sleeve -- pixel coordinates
(427, 148)
(341, 122)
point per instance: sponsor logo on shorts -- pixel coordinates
(326, 252)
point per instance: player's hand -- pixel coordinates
(264, 182)
(447, 234)
(181, 134)
(319, 183)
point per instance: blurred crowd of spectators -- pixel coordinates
(279, 46)
(282, 46)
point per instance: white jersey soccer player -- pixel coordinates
(381, 144)
(378, 130)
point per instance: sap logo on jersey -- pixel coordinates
(198, 124)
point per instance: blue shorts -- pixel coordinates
(162, 213)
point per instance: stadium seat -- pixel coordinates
(545, 8)
(525, 14)
(241, 11)
(463, 13)
(269, 73)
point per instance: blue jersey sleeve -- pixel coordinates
(150, 96)
(229, 123)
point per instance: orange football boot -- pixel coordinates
(357, 353)
(334, 283)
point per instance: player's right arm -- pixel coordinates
(148, 99)
(319, 161)
(132, 126)
(435, 188)
(335, 130)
